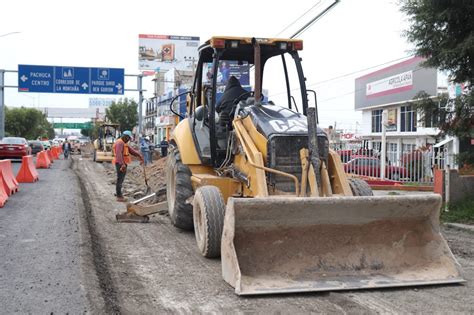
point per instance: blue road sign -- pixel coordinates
(77, 80)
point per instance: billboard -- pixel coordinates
(394, 84)
(164, 52)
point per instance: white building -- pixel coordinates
(388, 93)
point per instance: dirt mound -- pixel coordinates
(155, 172)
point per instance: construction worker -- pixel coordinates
(164, 147)
(145, 149)
(122, 158)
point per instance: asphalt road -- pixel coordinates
(41, 266)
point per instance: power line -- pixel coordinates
(316, 18)
(344, 75)
(358, 90)
(299, 18)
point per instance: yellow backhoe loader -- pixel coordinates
(108, 132)
(261, 188)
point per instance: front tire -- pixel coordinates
(360, 187)
(178, 190)
(208, 214)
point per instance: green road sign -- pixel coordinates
(72, 125)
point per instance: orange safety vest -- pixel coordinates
(126, 155)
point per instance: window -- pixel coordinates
(407, 148)
(376, 146)
(377, 120)
(407, 119)
(392, 152)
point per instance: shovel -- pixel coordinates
(147, 189)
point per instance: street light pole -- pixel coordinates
(2, 103)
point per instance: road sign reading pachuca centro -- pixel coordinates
(76, 80)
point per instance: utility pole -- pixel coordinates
(140, 103)
(140, 91)
(2, 104)
(383, 150)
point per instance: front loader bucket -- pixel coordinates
(290, 244)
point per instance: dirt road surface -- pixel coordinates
(155, 268)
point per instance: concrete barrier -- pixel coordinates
(27, 172)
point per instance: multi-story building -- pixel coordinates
(159, 120)
(385, 98)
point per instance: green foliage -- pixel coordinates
(443, 32)
(91, 132)
(453, 117)
(124, 113)
(460, 212)
(465, 158)
(29, 123)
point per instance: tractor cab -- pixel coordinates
(222, 90)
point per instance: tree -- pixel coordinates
(91, 131)
(28, 123)
(443, 32)
(124, 113)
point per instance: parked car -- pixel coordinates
(14, 147)
(370, 166)
(36, 146)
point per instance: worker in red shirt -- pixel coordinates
(122, 158)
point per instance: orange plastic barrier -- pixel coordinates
(50, 155)
(3, 194)
(55, 153)
(27, 172)
(9, 181)
(42, 160)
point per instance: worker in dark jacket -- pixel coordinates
(232, 91)
(164, 147)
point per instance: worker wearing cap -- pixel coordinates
(122, 158)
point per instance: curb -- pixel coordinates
(464, 227)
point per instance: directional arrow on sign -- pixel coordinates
(24, 78)
(84, 86)
(119, 86)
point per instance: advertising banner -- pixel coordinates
(226, 70)
(392, 119)
(393, 84)
(164, 52)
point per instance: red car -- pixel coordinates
(370, 166)
(14, 147)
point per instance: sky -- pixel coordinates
(348, 42)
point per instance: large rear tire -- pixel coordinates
(360, 187)
(178, 191)
(208, 214)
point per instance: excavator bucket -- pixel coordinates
(289, 244)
